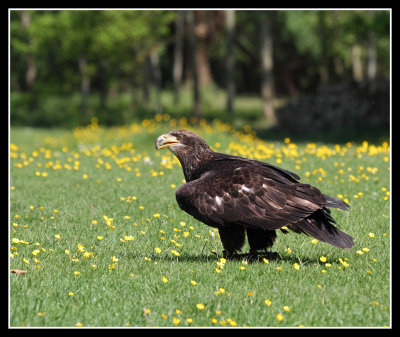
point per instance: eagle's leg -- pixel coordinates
(232, 239)
(260, 239)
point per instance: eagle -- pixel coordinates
(241, 196)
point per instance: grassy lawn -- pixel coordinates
(95, 225)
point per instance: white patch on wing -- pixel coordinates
(244, 188)
(218, 200)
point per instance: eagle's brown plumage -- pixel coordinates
(242, 196)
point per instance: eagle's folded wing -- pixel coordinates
(246, 196)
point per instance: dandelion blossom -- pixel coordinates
(200, 306)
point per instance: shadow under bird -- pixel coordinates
(242, 196)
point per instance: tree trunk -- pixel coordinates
(203, 65)
(155, 65)
(146, 81)
(323, 64)
(31, 70)
(85, 84)
(230, 83)
(178, 55)
(358, 73)
(192, 51)
(372, 58)
(267, 65)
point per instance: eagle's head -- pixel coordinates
(179, 141)
(188, 147)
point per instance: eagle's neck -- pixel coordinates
(193, 160)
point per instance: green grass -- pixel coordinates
(126, 287)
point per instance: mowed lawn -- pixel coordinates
(95, 225)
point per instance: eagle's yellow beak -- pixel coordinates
(166, 141)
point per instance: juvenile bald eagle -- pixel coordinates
(242, 196)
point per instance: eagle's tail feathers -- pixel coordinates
(319, 226)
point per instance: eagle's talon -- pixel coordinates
(228, 254)
(254, 254)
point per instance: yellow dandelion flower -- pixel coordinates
(157, 250)
(279, 317)
(193, 283)
(57, 236)
(200, 306)
(296, 266)
(231, 322)
(164, 279)
(176, 321)
(71, 293)
(268, 302)
(322, 259)
(175, 252)
(76, 273)
(286, 308)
